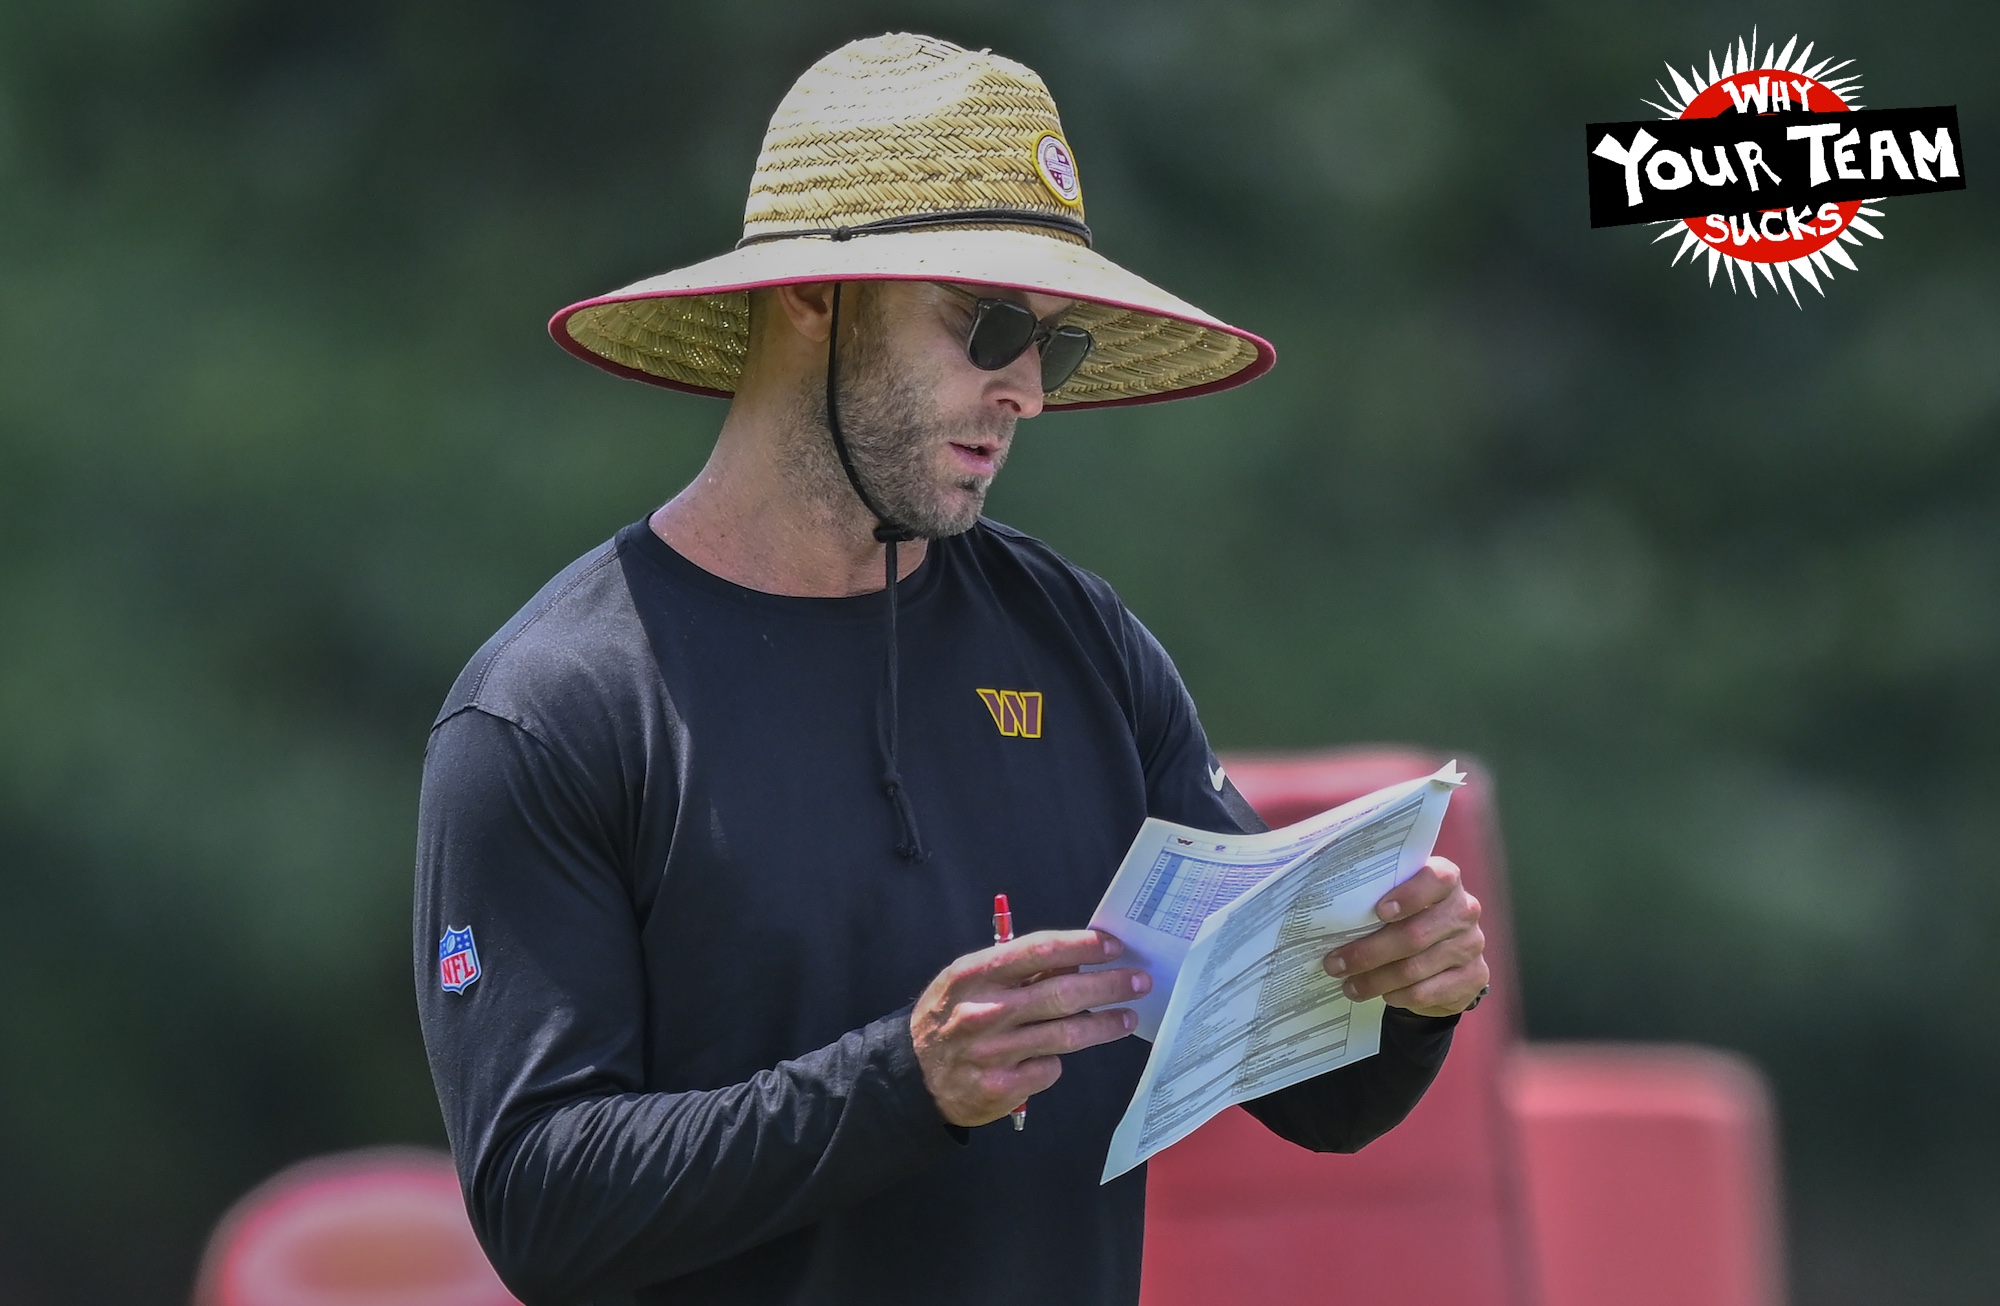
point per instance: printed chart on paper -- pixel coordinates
(1233, 929)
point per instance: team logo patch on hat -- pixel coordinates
(458, 960)
(1057, 168)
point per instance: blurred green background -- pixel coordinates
(1710, 582)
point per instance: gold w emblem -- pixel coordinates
(1018, 712)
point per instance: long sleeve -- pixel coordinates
(581, 1183)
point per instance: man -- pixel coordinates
(710, 828)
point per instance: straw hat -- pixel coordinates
(905, 157)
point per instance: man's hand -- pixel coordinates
(990, 1029)
(1430, 958)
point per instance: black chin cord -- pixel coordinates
(889, 728)
(888, 723)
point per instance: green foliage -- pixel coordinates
(1708, 581)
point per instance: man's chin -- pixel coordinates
(958, 509)
(948, 527)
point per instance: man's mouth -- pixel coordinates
(979, 457)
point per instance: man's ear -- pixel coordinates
(808, 307)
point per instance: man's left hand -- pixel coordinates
(1430, 958)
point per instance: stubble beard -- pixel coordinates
(894, 437)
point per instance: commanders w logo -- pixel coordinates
(1018, 712)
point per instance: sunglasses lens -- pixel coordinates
(1000, 331)
(1062, 353)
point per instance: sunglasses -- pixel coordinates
(1003, 330)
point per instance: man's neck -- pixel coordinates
(746, 520)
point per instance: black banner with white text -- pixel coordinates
(1736, 163)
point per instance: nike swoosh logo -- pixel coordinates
(1215, 778)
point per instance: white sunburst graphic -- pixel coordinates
(1777, 83)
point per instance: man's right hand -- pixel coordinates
(991, 1028)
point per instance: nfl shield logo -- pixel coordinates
(458, 960)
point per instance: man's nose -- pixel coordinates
(1019, 384)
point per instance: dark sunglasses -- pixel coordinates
(1002, 331)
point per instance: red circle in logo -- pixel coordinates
(1773, 235)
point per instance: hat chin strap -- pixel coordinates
(888, 723)
(886, 531)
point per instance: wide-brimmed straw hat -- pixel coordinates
(905, 157)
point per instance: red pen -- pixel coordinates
(1003, 932)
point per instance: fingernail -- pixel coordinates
(1112, 945)
(1336, 965)
(1350, 990)
(1142, 982)
(1128, 1018)
(1389, 910)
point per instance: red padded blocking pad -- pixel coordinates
(379, 1227)
(1649, 1175)
(1424, 1215)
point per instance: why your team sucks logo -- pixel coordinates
(1768, 167)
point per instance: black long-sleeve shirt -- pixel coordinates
(680, 1068)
